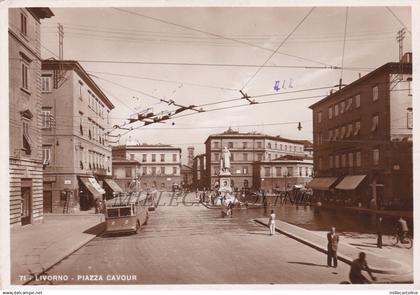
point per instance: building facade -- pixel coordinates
(245, 149)
(199, 172)
(363, 139)
(76, 153)
(25, 152)
(127, 174)
(186, 176)
(160, 164)
(283, 173)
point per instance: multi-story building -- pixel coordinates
(76, 153)
(25, 153)
(283, 173)
(127, 174)
(160, 163)
(363, 139)
(199, 172)
(245, 148)
(186, 176)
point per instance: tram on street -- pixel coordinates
(126, 213)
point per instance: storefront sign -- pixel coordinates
(67, 181)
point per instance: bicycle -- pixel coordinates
(406, 242)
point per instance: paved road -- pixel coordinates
(194, 245)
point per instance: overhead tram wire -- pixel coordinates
(278, 47)
(219, 36)
(166, 81)
(398, 19)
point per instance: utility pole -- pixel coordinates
(400, 39)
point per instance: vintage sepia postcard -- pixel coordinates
(208, 144)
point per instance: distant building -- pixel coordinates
(363, 140)
(160, 163)
(76, 153)
(186, 176)
(127, 174)
(245, 149)
(190, 156)
(283, 173)
(25, 147)
(200, 176)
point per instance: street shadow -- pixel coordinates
(259, 233)
(96, 230)
(307, 263)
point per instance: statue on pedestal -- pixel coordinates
(225, 162)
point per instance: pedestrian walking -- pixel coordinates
(272, 222)
(379, 232)
(402, 228)
(357, 266)
(332, 247)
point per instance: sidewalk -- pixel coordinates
(347, 252)
(36, 248)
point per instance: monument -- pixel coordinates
(225, 190)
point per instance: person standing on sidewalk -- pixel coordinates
(272, 222)
(402, 228)
(379, 231)
(357, 266)
(332, 247)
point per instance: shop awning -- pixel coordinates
(350, 182)
(321, 183)
(93, 186)
(113, 185)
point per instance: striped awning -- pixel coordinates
(321, 183)
(350, 182)
(93, 186)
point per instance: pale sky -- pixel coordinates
(94, 35)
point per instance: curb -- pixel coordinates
(219, 207)
(64, 256)
(340, 257)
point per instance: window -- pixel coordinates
(89, 99)
(259, 157)
(342, 107)
(26, 140)
(375, 123)
(174, 170)
(336, 133)
(259, 145)
(375, 157)
(300, 171)
(350, 159)
(343, 132)
(244, 145)
(245, 156)
(410, 118)
(356, 128)
(80, 90)
(245, 170)
(162, 157)
(131, 156)
(343, 160)
(46, 118)
(216, 157)
(174, 157)
(357, 100)
(331, 161)
(358, 159)
(153, 170)
(269, 145)
(153, 158)
(336, 110)
(128, 172)
(349, 103)
(25, 70)
(162, 170)
(330, 113)
(375, 93)
(337, 161)
(23, 24)
(266, 171)
(46, 155)
(281, 147)
(330, 135)
(46, 83)
(144, 170)
(290, 171)
(144, 158)
(232, 157)
(216, 144)
(319, 117)
(349, 130)
(278, 171)
(230, 145)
